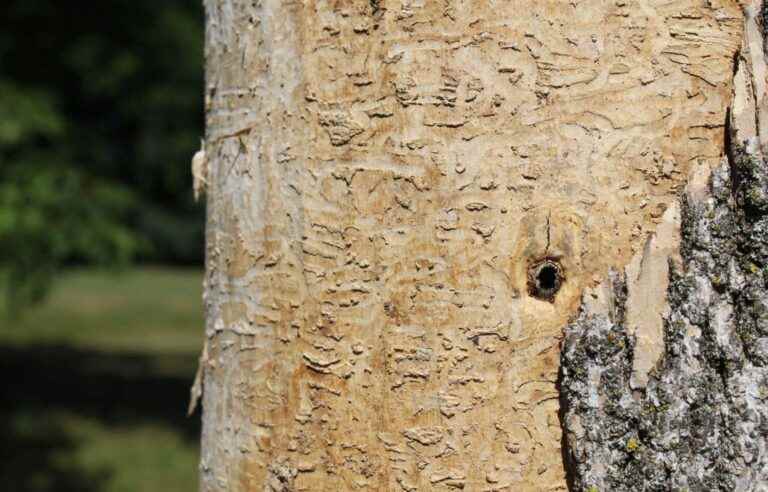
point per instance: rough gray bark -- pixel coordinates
(702, 420)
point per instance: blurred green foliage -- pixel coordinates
(100, 113)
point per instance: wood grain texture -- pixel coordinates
(381, 176)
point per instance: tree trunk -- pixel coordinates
(672, 394)
(407, 202)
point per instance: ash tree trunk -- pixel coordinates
(684, 405)
(487, 245)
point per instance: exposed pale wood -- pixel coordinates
(381, 176)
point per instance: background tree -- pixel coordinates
(99, 120)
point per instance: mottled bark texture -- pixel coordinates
(406, 201)
(699, 420)
(702, 421)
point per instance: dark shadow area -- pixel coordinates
(116, 389)
(565, 449)
(30, 459)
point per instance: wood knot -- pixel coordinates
(545, 278)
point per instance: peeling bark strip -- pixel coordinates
(701, 423)
(406, 200)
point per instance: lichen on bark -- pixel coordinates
(701, 422)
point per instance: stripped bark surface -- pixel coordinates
(406, 201)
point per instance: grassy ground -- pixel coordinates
(96, 383)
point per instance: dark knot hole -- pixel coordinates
(545, 279)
